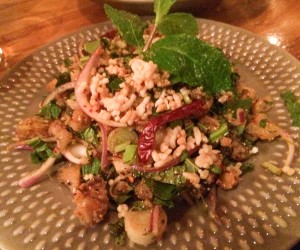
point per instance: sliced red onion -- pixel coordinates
(213, 205)
(81, 88)
(241, 115)
(37, 175)
(76, 153)
(20, 146)
(104, 146)
(154, 219)
(168, 165)
(57, 91)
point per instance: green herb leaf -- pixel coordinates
(292, 105)
(63, 78)
(178, 23)
(41, 150)
(90, 47)
(50, 111)
(114, 84)
(130, 26)
(192, 61)
(93, 168)
(90, 135)
(247, 167)
(162, 8)
(245, 104)
(215, 169)
(117, 230)
(67, 62)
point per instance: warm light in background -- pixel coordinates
(274, 40)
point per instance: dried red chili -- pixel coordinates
(147, 137)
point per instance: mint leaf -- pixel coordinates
(130, 26)
(63, 78)
(114, 83)
(161, 8)
(178, 23)
(41, 150)
(93, 168)
(50, 111)
(192, 61)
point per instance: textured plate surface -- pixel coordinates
(262, 213)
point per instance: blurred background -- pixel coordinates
(28, 25)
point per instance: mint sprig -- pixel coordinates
(192, 61)
(130, 26)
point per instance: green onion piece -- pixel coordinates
(90, 47)
(130, 153)
(190, 164)
(121, 147)
(187, 99)
(218, 134)
(272, 168)
(215, 169)
(202, 127)
(184, 155)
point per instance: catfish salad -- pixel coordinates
(145, 116)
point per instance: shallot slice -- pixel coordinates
(81, 94)
(104, 146)
(37, 175)
(76, 153)
(57, 91)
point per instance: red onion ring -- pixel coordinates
(57, 91)
(104, 146)
(37, 175)
(80, 89)
(76, 153)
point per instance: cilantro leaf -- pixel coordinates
(91, 168)
(90, 135)
(178, 23)
(292, 105)
(161, 8)
(192, 61)
(130, 26)
(50, 111)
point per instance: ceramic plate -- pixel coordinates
(262, 213)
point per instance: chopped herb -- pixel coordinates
(63, 78)
(263, 123)
(114, 83)
(215, 169)
(219, 133)
(90, 135)
(93, 168)
(190, 165)
(41, 150)
(244, 104)
(247, 167)
(50, 111)
(67, 62)
(292, 105)
(117, 230)
(184, 155)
